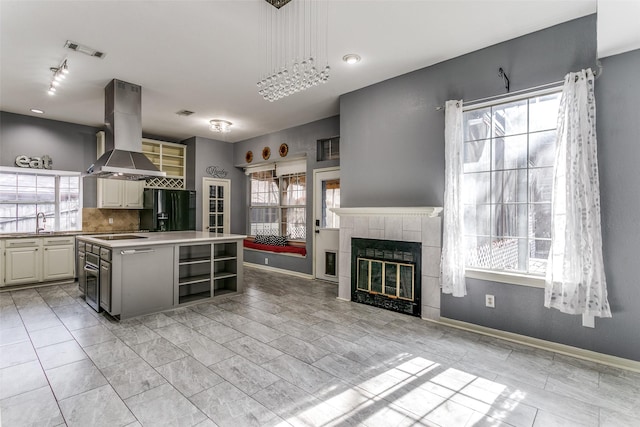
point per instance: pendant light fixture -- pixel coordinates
(295, 36)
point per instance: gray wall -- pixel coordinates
(392, 138)
(71, 146)
(302, 140)
(392, 149)
(204, 152)
(617, 94)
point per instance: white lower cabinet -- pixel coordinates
(38, 260)
(23, 261)
(58, 258)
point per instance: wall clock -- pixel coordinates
(266, 153)
(284, 150)
(248, 157)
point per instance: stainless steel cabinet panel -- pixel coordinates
(146, 278)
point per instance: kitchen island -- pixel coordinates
(142, 273)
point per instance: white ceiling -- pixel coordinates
(618, 26)
(206, 56)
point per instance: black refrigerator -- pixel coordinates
(168, 210)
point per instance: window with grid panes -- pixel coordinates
(278, 204)
(509, 152)
(23, 195)
(329, 148)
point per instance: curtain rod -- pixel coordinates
(551, 85)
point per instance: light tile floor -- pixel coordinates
(285, 352)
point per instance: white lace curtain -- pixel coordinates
(452, 263)
(575, 281)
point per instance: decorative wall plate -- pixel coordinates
(266, 153)
(284, 150)
(248, 157)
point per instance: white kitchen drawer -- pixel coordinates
(54, 241)
(23, 243)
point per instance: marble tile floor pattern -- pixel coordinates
(284, 353)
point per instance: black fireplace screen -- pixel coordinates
(386, 273)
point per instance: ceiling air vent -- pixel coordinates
(184, 113)
(84, 49)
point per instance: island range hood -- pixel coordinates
(123, 158)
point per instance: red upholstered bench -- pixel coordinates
(299, 250)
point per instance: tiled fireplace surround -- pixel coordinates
(418, 224)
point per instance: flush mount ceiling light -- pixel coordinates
(351, 58)
(295, 33)
(59, 74)
(37, 111)
(222, 126)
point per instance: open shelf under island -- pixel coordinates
(153, 272)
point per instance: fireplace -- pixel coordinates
(416, 225)
(386, 274)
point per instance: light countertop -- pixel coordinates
(158, 238)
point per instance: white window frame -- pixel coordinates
(57, 174)
(505, 276)
(280, 170)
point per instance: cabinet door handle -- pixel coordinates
(135, 251)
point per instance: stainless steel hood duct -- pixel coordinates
(123, 158)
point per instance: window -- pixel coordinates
(25, 194)
(329, 149)
(278, 204)
(509, 151)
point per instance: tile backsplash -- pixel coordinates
(97, 220)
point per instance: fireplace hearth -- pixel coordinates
(387, 274)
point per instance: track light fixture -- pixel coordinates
(59, 74)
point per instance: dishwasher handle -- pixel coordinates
(136, 251)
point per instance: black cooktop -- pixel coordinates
(121, 237)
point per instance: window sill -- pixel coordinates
(510, 278)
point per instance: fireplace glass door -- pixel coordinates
(391, 279)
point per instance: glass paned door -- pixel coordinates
(215, 203)
(326, 223)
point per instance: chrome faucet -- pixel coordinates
(44, 220)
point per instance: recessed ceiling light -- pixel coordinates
(35, 110)
(351, 58)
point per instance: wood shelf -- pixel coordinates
(223, 275)
(189, 261)
(190, 280)
(194, 297)
(168, 157)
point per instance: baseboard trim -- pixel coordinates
(579, 353)
(10, 288)
(277, 270)
(343, 299)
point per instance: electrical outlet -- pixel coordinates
(110, 220)
(490, 301)
(266, 261)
